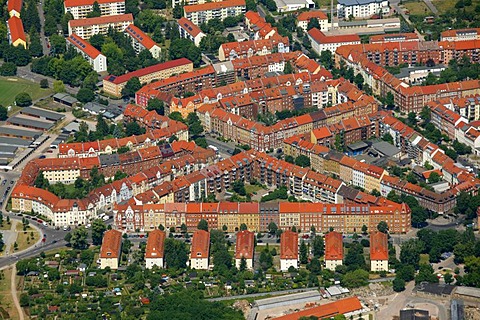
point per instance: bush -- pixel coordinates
(8, 69)
(44, 83)
(23, 99)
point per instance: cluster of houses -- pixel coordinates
(244, 250)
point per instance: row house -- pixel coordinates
(87, 27)
(113, 85)
(460, 34)
(468, 107)
(445, 119)
(246, 49)
(80, 9)
(395, 37)
(348, 218)
(202, 13)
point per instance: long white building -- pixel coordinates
(200, 13)
(89, 52)
(85, 28)
(361, 8)
(81, 8)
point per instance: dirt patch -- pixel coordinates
(244, 306)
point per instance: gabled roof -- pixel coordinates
(319, 37)
(213, 6)
(15, 26)
(155, 244)
(82, 3)
(333, 246)
(306, 16)
(245, 244)
(187, 25)
(378, 246)
(83, 45)
(289, 245)
(200, 245)
(140, 36)
(15, 5)
(101, 20)
(111, 244)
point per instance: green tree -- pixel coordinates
(302, 161)
(355, 279)
(95, 11)
(78, 238)
(58, 86)
(266, 260)
(318, 247)
(425, 273)
(288, 68)
(35, 47)
(23, 99)
(398, 284)
(243, 264)
(44, 83)
(289, 159)
(382, 227)
(434, 177)
(272, 228)
(359, 81)
(202, 225)
(157, 105)
(448, 278)
(239, 187)
(313, 23)
(195, 127)
(364, 229)
(326, 59)
(177, 116)
(410, 252)
(8, 69)
(133, 129)
(243, 227)
(98, 229)
(85, 95)
(132, 86)
(303, 253)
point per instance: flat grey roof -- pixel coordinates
(289, 297)
(109, 159)
(21, 121)
(9, 141)
(223, 67)
(42, 113)
(8, 149)
(357, 2)
(357, 145)
(95, 107)
(19, 132)
(386, 148)
(468, 291)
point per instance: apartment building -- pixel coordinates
(141, 41)
(190, 31)
(362, 8)
(288, 250)
(14, 8)
(395, 37)
(445, 119)
(190, 2)
(202, 13)
(245, 249)
(246, 49)
(304, 18)
(89, 52)
(378, 251)
(111, 249)
(154, 251)
(113, 85)
(81, 8)
(321, 42)
(16, 34)
(200, 249)
(333, 250)
(460, 34)
(87, 27)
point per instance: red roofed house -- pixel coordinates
(141, 41)
(378, 251)
(155, 249)
(304, 18)
(110, 251)
(81, 8)
(321, 42)
(16, 34)
(190, 31)
(89, 52)
(288, 250)
(333, 250)
(200, 250)
(245, 248)
(113, 85)
(348, 307)
(14, 8)
(88, 27)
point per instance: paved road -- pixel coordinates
(431, 6)
(26, 73)
(225, 149)
(43, 39)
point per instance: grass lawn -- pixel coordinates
(6, 301)
(5, 225)
(252, 188)
(424, 258)
(417, 8)
(326, 3)
(11, 86)
(444, 6)
(22, 237)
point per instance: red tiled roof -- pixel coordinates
(142, 72)
(200, 244)
(15, 5)
(319, 37)
(128, 17)
(328, 310)
(396, 36)
(81, 3)
(245, 245)
(111, 244)
(83, 45)
(140, 36)
(289, 245)
(378, 246)
(15, 26)
(155, 244)
(306, 16)
(333, 246)
(214, 5)
(189, 26)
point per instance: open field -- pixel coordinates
(326, 3)
(6, 301)
(417, 8)
(444, 6)
(11, 86)
(22, 237)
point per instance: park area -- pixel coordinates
(417, 8)
(11, 86)
(444, 6)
